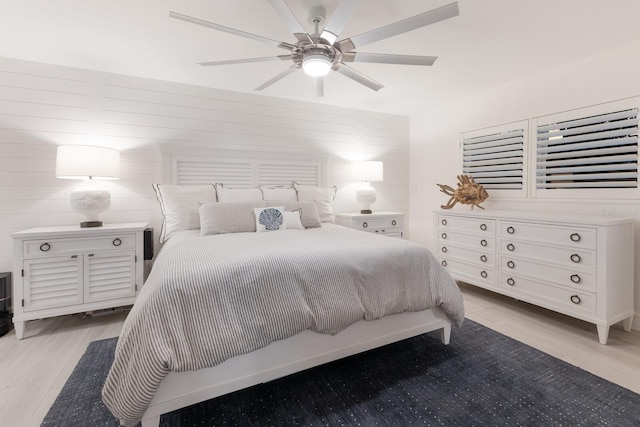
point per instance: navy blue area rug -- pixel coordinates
(482, 378)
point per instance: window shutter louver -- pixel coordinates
(598, 151)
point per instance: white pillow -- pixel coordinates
(278, 194)
(238, 194)
(270, 219)
(222, 218)
(323, 198)
(179, 205)
(292, 220)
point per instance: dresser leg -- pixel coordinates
(603, 334)
(19, 327)
(627, 323)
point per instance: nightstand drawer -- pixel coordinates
(378, 224)
(71, 246)
(383, 223)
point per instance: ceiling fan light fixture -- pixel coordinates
(316, 65)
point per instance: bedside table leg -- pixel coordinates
(603, 334)
(19, 327)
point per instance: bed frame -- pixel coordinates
(302, 351)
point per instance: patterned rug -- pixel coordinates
(482, 378)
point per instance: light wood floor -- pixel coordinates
(33, 370)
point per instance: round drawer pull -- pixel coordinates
(575, 278)
(511, 264)
(576, 258)
(365, 224)
(510, 281)
(483, 274)
(444, 236)
(483, 227)
(117, 241)
(575, 237)
(510, 247)
(483, 258)
(575, 299)
(511, 230)
(444, 262)
(45, 247)
(443, 222)
(444, 249)
(394, 222)
(483, 242)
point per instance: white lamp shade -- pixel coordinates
(316, 65)
(368, 171)
(86, 161)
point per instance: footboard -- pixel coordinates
(295, 354)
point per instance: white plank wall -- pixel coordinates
(42, 106)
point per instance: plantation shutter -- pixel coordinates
(495, 158)
(597, 151)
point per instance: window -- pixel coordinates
(495, 157)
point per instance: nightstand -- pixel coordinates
(385, 223)
(68, 269)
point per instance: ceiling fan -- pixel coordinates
(321, 52)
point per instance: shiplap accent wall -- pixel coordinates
(42, 106)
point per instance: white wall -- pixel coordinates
(42, 106)
(435, 133)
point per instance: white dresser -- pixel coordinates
(65, 270)
(581, 266)
(385, 223)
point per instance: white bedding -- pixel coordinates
(210, 298)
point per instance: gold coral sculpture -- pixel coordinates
(467, 193)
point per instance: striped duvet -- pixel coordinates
(214, 297)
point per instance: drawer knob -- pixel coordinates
(45, 247)
(575, 278)
(483, 242)
(510, 247)
(511, 230)
(365, 224)
(444, 236)
(444, 249)
(575, 299)
(483, 227)
(575, 237)
(443, 222)
(510, 281)
(576, 258)
(117, 242)
(394, 222)
(483, 274)
(483, 258)
(511, 264)
(444, 262)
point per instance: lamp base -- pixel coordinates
(366, 211)
(89, 224)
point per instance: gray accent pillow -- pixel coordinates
(227, 217)
(309, 213)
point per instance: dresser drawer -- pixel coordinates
(71, 246)
(468, 224)
(464, 271)
(484, 243)
(568, 301)
(568, 236)
(578, 257)
(565, 277)
(470, 255)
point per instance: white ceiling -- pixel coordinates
(490, 43)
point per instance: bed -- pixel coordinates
(226, 306)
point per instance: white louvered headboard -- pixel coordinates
(246, 172)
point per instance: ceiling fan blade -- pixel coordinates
(318, 86)
(277, 77)
(347, 71)
(417, 21)
(339, 20)
(246, 61)
(292, 22)
(230, 30)
(383, 58)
